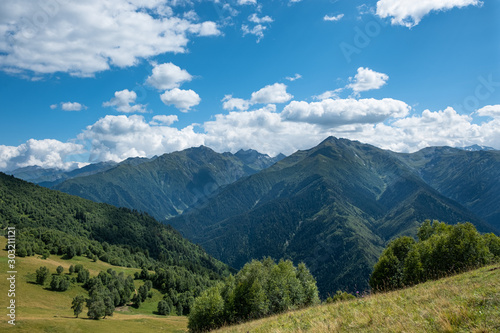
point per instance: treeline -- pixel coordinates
(440, 250)
(260, 288)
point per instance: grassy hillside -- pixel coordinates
(42, 310)
(468, 302)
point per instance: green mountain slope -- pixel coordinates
(471, 178)
(333, 207)
(169, 184)
(58, 218)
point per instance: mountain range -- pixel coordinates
(334, 206)
(167, 185)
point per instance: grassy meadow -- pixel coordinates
(38, 309)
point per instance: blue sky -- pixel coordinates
(107, 80)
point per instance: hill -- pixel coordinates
(167, 185)
(42, 310)
(467, 302)
(38, 210)
(333, 207)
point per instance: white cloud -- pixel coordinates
(259, 20)
(335, 112)
(45, 153)
(409, 12)
(181, 99)
(72, 106)
(82, 38)
(367, 79)
(257, 30)
(259, 26)
(294, 78)
(489, 111)
(270, 94)
(247, 2)
(116, 138)
(164, 120)
(230, 103)
(333, 18)
(124, 101)
(300, 125)
(330, 94)
(53, 106)
(168, 76)
(275, 93)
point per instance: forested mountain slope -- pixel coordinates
(333, 207)
(169, 184)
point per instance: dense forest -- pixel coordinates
(50, 222)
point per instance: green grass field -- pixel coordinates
(39, 309)
(468, 302)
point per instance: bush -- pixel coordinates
(340, 296)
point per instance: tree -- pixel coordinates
(96, 307)
(207, 312)
(42, 274)
(77, 305)
(59, 269)
(59, 283)
(71, 269)
(163, 307)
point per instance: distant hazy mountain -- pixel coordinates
(333, 207)
(167, 185)
(51, 177)
(476, 148)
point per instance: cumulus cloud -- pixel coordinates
(181, 99)
(275, 93)
(367, 79)
(124, 101)
(333, 18)
(230, 103)
(164, 120)
(82, 38)
(270, 94)
(335, 112)
(69, 106)
(300, 125)
(116, 138)
(489, 111)
(44, 153)
(72, 106)
(168, 76)
(409, 13)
